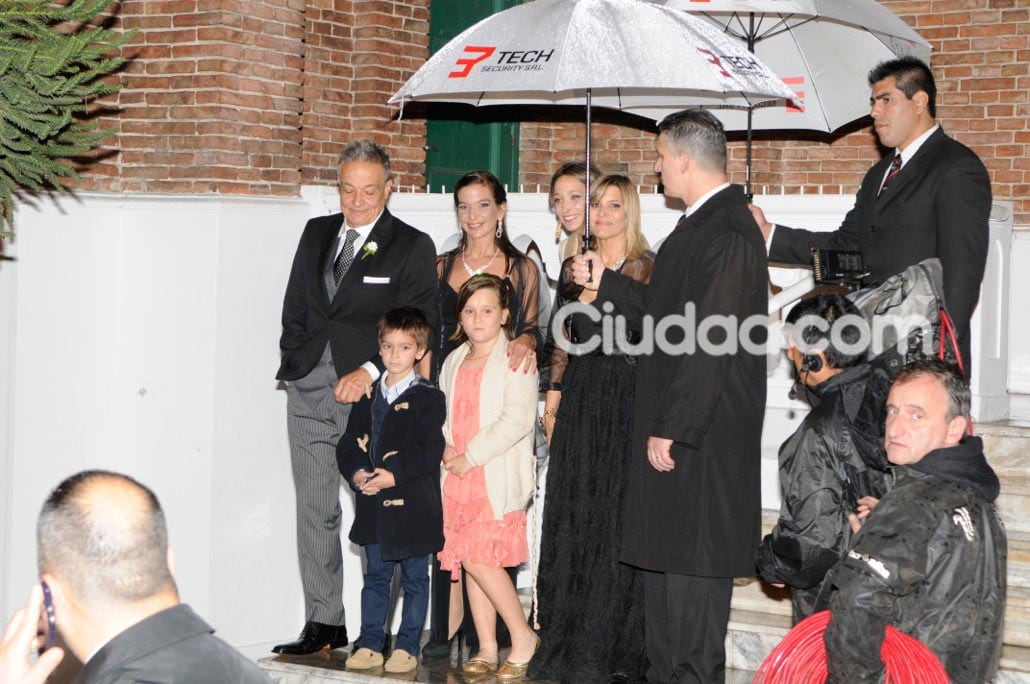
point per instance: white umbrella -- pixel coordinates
(822, 49)
(612, 53)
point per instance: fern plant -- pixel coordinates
(54, 59)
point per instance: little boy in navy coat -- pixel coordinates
(390, 455)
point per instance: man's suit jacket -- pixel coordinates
(401, 272)
(937, 206)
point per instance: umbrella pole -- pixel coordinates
(747, 169)
(586, 222)
(750, 110)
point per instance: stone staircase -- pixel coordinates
(760, 614)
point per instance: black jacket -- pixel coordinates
(171, 647)
(937, 206)
(405, 520)
(398, 273)
(704, 517)
(834, 458)
(930, 559)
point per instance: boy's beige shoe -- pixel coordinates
(401, 661)
(364, 659)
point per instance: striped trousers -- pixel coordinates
(314, 433)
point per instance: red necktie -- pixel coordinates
(894, 171)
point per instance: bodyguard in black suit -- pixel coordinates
(693, 504)
(348, 271)
(936, 205)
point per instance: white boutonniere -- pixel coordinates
(369, 248)
(401, 406)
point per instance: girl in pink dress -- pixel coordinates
(490, 467)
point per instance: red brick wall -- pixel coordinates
(211, 99)
(981, 59)
(257, 96)
(359, 53)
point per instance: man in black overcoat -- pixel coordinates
(937, 204)
(693, 503)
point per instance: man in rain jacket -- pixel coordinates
(834, 459)
(930, 558)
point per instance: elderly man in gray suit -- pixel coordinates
(350, 268)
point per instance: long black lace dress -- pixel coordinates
(590, 606)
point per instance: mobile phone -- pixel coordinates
(48, 619)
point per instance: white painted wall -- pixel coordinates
(140, 333)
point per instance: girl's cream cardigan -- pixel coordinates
(507, 418)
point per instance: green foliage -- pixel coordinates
(53, 62)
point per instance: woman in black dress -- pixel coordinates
(589, 605)
(481, 204)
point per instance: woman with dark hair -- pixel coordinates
(590, 606)
(481, 204)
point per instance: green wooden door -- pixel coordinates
(461, 138)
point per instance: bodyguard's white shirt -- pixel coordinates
(692, 209)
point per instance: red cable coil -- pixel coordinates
(800, 658)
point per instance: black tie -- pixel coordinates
(346, 257)
(894, 171)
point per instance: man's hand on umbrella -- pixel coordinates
(763, 223)
(587, 270)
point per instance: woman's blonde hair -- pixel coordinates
(636, 243)
(577, 170)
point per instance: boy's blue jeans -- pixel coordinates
(375, 601)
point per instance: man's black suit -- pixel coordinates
(399, 271)
(937, 206)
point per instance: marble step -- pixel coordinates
(1007, 446)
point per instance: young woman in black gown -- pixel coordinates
(589, 605)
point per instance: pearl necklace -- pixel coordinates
(478, 271)
(617, 265)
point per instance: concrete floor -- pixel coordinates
(328, 667)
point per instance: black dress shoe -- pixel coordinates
(314, 637)
(442, 649)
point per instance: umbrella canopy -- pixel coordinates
(822, 49)
(628, 53)
(611, 53)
